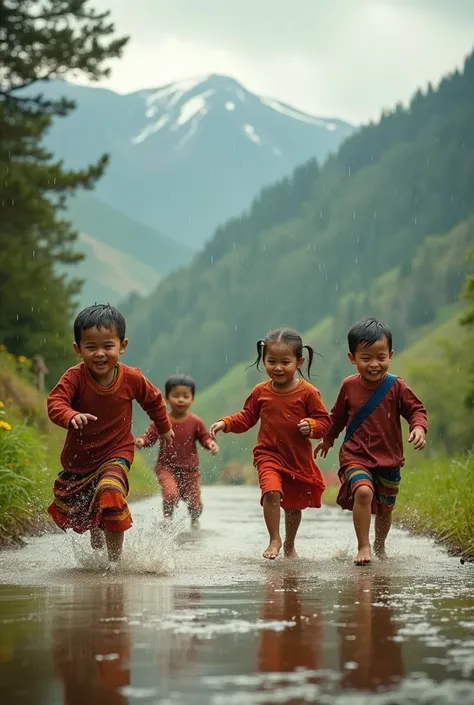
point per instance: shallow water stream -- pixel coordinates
(202, 618)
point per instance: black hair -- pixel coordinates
(99, 316)
(180, 381)
(288, 336)
(367, 332)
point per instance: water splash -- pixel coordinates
(146, 549)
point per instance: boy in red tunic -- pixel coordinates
(177, 467)
(371, 458)
(93, 401)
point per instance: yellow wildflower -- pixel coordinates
(1, 404)
(22, 359)
(5, 425)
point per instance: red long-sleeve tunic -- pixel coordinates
(110, 436)
(378, 442)
(280, 444)
(182, 453)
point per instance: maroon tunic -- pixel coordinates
(182, 453)
(377, 443)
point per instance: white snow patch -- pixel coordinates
(150, 129)
(251, 134)
(192, 107)
(175, 90)
(230, 106)
(297, 115)
(151, 112)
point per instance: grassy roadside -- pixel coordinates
(436, 499)
(29, 455)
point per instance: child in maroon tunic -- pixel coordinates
(291, 412)
(177, 467)
(93, 401)
(371, 458)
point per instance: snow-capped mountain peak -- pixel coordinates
(186, 106)
(186, 156)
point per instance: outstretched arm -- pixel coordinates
(149, 438)
(151, 400)
(414, 412)
(242, 421)
(205, 438)
(60, 400)
(338, 418)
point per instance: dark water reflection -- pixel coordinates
(311, 631)
(370, 655)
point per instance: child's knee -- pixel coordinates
(272, 497)
(363, 495)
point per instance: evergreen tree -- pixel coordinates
(41, 41)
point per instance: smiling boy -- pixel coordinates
(369, 407)
(93, 401)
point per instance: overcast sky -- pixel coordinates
(338, 58)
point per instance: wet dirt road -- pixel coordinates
(201, 618)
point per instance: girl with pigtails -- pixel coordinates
(291, 413)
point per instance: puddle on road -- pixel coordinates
(214, 624)
(371, 639)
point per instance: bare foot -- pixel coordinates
(273, 549)
(364, 556)
(289, 550)
(379, 550)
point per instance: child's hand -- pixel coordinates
(213, 447)
(81, 420)
(139, 442)
(169, 436)
(215, 428)
(417, 437)
(304, 427)
(323, 447)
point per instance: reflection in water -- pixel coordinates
(91, 648)
(370, 656)
(295, 647)
(170, 651)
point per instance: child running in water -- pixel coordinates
(369, 407)
(291, 412)
(93, 401)
(177, 467)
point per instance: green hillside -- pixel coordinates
(330, 243)
(122, 255)
(423, 363)
(107, 272)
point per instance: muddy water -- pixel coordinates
(201, 618)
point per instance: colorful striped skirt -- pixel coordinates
(93, 500)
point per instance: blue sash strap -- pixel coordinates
(370, 405)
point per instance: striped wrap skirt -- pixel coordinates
(92, 500)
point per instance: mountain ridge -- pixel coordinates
(187, 156)
(311, 247)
